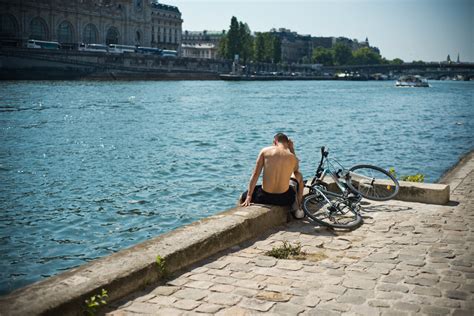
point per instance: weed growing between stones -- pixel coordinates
(285, 251)
(95, 302)
(419, 177)
(161, 263)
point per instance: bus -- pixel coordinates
(119, 49)
(42, 44)
(99, 48)
(169, 53)
(148, 50)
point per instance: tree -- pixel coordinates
(396, 61)
(342, 54)
(259, 47)
(276, 49)
(246, 42)
(233, 43)
(365, 56)
(222, 47)
(323, 56)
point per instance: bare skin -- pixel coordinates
(278, 163)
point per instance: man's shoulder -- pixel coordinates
(267, 149)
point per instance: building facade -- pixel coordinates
(208, 51)
(201, 44)
(127, 22)
(203, 37)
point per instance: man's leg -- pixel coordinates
(299, 195)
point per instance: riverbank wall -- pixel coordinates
(40, 64)
(132, 269)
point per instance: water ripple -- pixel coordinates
(89, 168)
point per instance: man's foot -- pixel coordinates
(298, 214)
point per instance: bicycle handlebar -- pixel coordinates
(324, 153)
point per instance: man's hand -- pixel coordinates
(291, 146)
(247, 201)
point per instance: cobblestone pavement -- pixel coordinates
(406, 259)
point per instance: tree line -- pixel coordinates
(341, 54)
(263, 47)
(266, 47)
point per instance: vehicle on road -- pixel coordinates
(42, 44)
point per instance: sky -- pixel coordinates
(426, 30)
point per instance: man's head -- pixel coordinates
(280, 138)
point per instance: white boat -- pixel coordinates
(412, 81)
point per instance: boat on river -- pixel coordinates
(412, 82)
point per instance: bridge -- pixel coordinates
(435, 71)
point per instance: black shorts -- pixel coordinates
(261, 197)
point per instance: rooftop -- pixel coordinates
(166, 7)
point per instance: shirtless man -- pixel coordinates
(280, 167)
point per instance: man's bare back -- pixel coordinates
(278, 163)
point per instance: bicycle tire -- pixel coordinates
(319, 210)
(372, 182)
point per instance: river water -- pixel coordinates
(89, 168)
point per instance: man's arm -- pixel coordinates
(254, 179)
(291, 147)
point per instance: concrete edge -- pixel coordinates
(132, 269)
(456, 173)
(428, 193)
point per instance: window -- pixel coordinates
(38, 29)
(112, 36)
(138, 37)
(65, 33)
(8, 26)
(90, 34)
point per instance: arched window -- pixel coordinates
(65, 32)
(138, 37)
(90, 34)
(8, 26)
(112, 36)
(38, 29)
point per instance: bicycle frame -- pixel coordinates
(336, 176)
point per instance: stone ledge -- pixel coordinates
(429, 193)
(131, 269)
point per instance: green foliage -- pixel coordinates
(276, 49)
(419, 177)
(323, 56)
(246, 42)
(264, 47)
(342, 54)
(222, 48)
(161, 263)
(233, 39)
(259, 47)
(366, 56)
(396, 61)
(267, 48)
(414, 178)
(95, 302)
(285, 251)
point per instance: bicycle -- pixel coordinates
(342, 210)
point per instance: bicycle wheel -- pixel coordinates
(372, 182)
(337, 213)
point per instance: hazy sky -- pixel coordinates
(408, 29)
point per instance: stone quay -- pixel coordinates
(408, 258)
